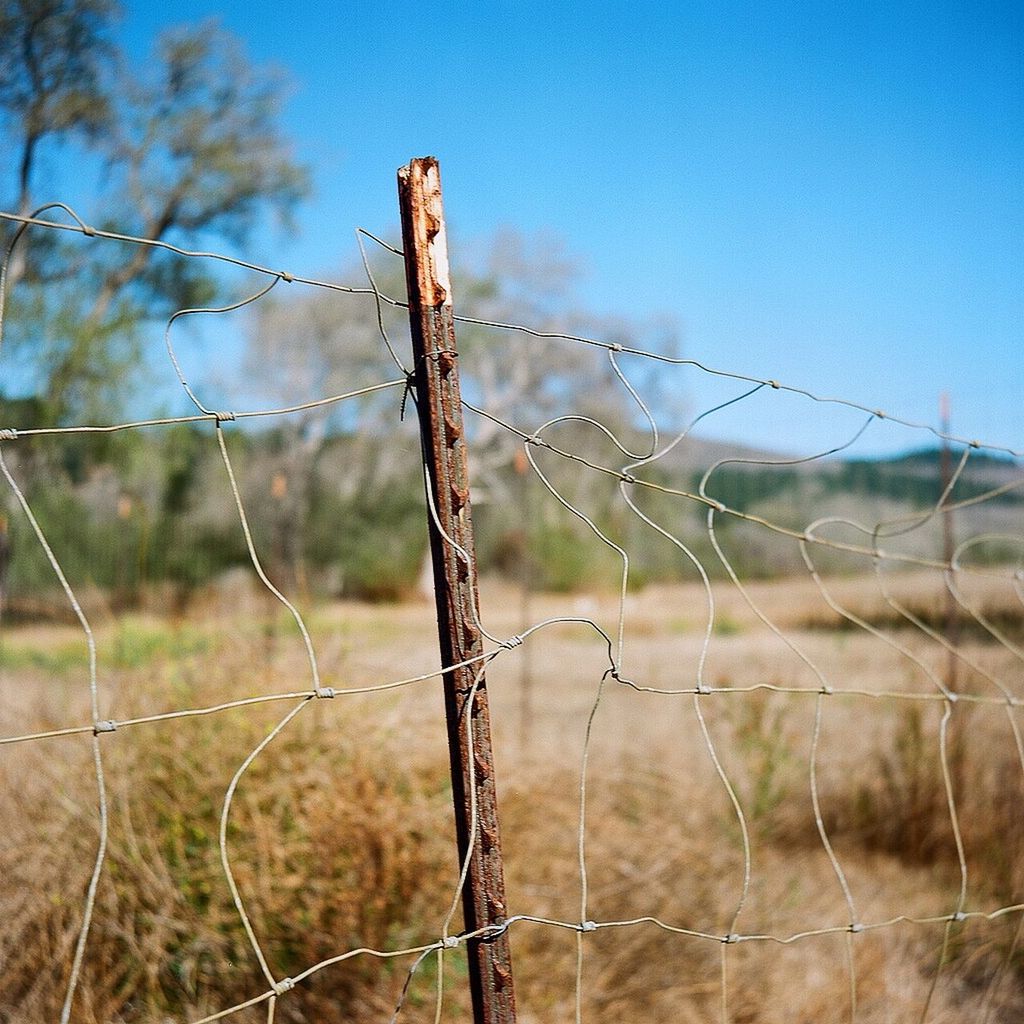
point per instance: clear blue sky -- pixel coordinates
(831, 195)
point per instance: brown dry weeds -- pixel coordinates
(340, 833)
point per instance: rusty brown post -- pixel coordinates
(438, 399)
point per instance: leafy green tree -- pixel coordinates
(190, 148)
(52, 78)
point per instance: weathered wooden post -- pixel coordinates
(438, 399)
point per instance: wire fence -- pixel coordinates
(735, 799)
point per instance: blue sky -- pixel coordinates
(828, 195)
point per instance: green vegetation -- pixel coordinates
(187, 149)
(912, 480)
(141, 514)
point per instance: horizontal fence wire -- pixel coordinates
(918, 646)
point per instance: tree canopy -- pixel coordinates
(190, 147)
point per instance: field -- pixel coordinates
(340, 832)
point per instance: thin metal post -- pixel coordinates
(951, 617)
(438, 400)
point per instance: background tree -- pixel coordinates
(189, 149)
(359, 462)
(53, 81)
(315, 345)
(185, 148)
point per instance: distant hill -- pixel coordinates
(748, 475)
(893, 496)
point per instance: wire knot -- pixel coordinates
(532, 439)
(628, 478)
(8, 434)
(826, 690)
(513, 641)
(496, 930)
(774, 384)
(450, 942)
(325, 692)
(880, 414)
(703, 689)
(856, 928)
(224, 417)
(588, 926)
(731, 938)
(615, 346)
(284, 985)
(107, 726)
(285, 276)
(87, 230)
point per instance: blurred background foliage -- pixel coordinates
(188, 150)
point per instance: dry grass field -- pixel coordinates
(340, 833)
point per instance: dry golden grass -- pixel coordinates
(340, 833)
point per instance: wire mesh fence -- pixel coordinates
(724, 795)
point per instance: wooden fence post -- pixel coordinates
(436, 373)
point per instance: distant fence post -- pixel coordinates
(951, 617)
(436, 371)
